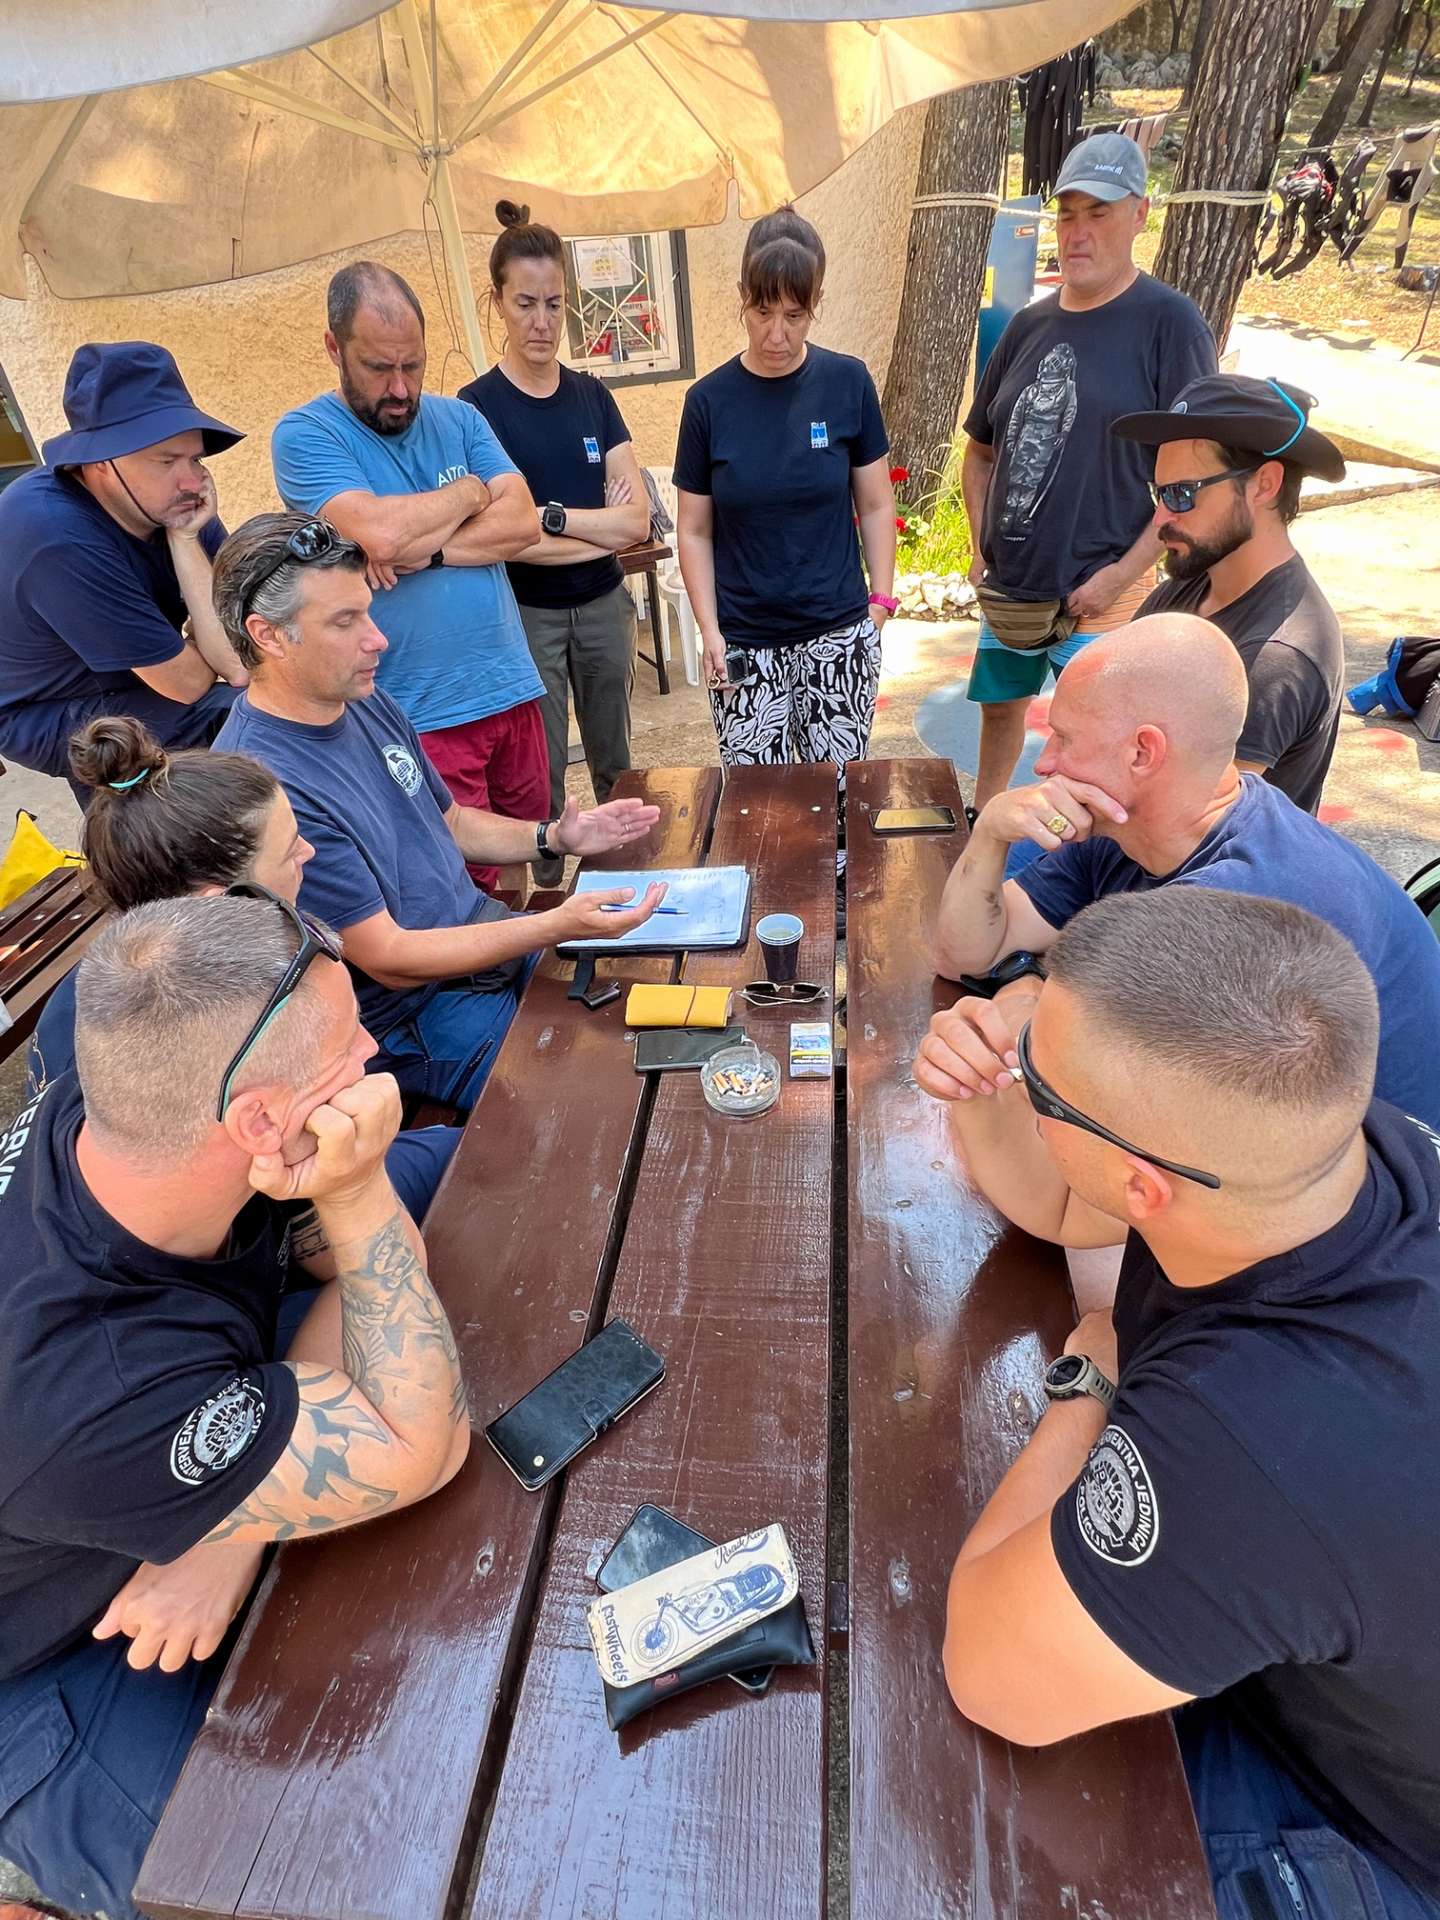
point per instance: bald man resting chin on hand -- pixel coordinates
(1139, 790)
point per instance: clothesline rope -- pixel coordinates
(1220, 197)
(991, 200)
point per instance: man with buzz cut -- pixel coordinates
(421, 483)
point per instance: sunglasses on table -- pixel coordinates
(1178, 496)
(316, 943)
(765, 993)
(1045, 1101)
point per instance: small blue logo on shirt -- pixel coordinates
(403, 768)
(819, 434)
(592, 449)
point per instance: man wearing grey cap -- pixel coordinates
(1060, 517)
(1231, 452)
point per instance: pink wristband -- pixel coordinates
(884, 600)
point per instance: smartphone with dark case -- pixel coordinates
(739, 667)
(913, 820)
(651, 1542)
(664, 1049)
(575, 1404)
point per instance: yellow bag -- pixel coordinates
(656, 1006)
(29, 858)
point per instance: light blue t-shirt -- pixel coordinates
(457, 648)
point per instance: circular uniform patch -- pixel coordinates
(216, 1434)
(1115, 1501)
(403, 768)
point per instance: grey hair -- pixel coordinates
(1252, 998)
(164, 999)
(248, 555)
(365, 283)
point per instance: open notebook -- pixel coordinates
(715, 903)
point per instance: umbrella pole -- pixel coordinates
(464, 290)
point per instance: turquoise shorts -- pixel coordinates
(1005, 673)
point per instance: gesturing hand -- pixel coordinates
(351, 1130)
(180, 1611)
(619, 823)
(970, 1048)
(1051, 813)
(582, 916)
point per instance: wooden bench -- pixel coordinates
(43, 935)
(363, 1714)
(952, 1319)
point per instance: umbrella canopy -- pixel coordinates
(145, 146)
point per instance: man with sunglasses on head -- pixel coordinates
(1230, 456)
(105, 556)
(1139, 790)
(438, 964)
(167, 1409)
(1229, 1510)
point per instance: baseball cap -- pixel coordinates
(1105, 165)
(1269, 418)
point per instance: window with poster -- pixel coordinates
(627, 307)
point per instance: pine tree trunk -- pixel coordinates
(963, 151)
(1375, 23)
(1395, 41)
(1420, 53)
(1203, 22)
(1243, 90)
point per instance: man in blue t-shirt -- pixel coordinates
(1229, 1509)
(105, 558)
(422, 484)
(438, 964)
(1138, 790)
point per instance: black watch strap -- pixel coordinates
(437, 559)
(542, 842)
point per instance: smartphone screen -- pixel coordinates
(653, 1541)
(666, 1048)
(913, 820)
(575, 1404)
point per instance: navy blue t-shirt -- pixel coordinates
(1066, 497)
(1261, 1517)
(1266, 845)
(776, 458)
(82, 602)
(139, 1403)
(559, 444)
(372, 806)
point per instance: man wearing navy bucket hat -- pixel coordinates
(1231, 453)
(105, 558)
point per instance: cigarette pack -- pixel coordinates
(810, 1055)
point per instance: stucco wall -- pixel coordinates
(250, 349)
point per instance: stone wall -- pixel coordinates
(250, 349)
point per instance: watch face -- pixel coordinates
(1065, 1371)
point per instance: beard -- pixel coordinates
(1188, 558)
(386, 417)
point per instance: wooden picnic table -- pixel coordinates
(411, 1726)
(43, 934)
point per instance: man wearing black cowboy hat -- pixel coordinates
(1230, 455)
(105, 558)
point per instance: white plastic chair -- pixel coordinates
(672, 586)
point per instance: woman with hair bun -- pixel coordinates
(564, 432)
(162, 824)
(782, 454)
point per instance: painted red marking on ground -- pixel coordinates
(881, 700)
(1037, 714)
(1386, 741)
(1332, 813)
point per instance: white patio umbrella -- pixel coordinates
(147, 146)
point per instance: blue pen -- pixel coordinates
(610, 907)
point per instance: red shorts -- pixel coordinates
(500, 764)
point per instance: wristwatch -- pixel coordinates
(543, 849)
(1014, 966)
(1073, 1376)
(885, 600)
(437, 558)
(553, 517)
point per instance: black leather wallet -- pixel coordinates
(782, 1640)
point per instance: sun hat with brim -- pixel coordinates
(122, 395)
(1264, 417)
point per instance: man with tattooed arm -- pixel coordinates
(167, 1408)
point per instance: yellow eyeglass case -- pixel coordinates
(664, 1006)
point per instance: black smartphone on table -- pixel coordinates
(913, 820)
(575, 1404)
(664, 1049)
(654, 1540)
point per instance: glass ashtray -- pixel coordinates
(741, 1079)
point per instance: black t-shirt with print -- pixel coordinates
(139, 1403)
(1285, 631)
(1066, 497)
(1261, 1517)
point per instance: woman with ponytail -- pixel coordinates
(161, 824)
(564, 432)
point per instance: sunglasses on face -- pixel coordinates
(316, 943)
(1047, 1103)
(1178, 496)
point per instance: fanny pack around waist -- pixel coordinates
(1025, 625)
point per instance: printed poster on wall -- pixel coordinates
(604, 263)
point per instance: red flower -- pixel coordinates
(900, 524)
(899, 475)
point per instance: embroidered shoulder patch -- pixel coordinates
(215, 1435)
(1115, 1501)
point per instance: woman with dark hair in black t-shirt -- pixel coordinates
(782, 454)
(564, 432)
